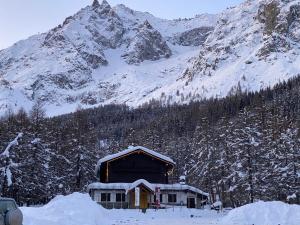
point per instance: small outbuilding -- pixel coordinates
(139, 178)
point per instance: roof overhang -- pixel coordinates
(130, 186)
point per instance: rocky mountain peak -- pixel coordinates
(104, 8)
(147, 25)
(96, 3)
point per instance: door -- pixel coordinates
(191, 203)
(143, 199)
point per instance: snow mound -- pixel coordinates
(74, 209)
(264, 213)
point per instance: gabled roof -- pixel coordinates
(140, 182)
(131, 150)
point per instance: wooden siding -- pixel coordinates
(135, 166)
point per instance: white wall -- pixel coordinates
(181, 196)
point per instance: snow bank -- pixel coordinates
(79, 209)
(74, 209)
(264, 213)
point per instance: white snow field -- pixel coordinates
(264, 213)
(79, 209)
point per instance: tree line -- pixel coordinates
(239, 149)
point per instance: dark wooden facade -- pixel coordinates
(134, 166)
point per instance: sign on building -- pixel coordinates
(137, 197)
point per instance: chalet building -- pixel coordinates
(139, 178)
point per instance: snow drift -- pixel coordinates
(264, 213)
(74, 209)
(79, 209)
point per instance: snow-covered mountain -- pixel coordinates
(253, 46)
(107, 54)
(100, 55)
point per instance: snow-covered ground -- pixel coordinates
(264, 213)
(79, 209)
(74, 209)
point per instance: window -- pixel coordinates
(120, 197)
(172, 198)
(105, 197)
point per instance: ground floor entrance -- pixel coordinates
(145, 198)
(143, 195)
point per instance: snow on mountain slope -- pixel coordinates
(100, 55)
(254, 45)
(107, 54)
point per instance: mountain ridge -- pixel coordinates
(65, 67)
(115, 55)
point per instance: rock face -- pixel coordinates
(194, 37)
(281, 26)
(268, 14)
(147, 44)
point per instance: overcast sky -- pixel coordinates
(21, 18)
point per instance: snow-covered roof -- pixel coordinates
(6, 199)
(132, 149)
(139, 182)
(130, 186)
